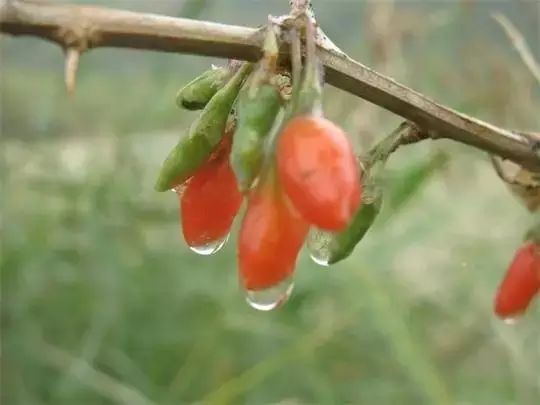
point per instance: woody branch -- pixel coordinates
(81, 28)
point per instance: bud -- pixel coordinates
(197, 93)
(203, 136)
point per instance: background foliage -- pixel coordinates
(102, 302)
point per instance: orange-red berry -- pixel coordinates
(319, 171)
(210, 199)
(271, 235)
(521, 282)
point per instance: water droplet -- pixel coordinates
(321, 261)
(319, 246)
(511, 320)
(211, 247)
(179, 189)
(270, 298)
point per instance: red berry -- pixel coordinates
(271, 235)
(210, 199)
(521, 282)
(319, 172)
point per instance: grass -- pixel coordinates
(94, 266)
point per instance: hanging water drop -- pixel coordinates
(511, 320)
(320, 260)
(319, 246)
(270, 298)
(211, 247)
(179, 189)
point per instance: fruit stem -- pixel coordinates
(270, 47)
(405, 133)
(296, 66)
(267, 66)
(307, 91)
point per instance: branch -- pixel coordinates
(85, 27)
(405, 134)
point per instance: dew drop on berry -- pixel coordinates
(211, 247)
(511, 320)
(179, 189)
(270, 298)
(318, 244)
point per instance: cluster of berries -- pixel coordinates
(261, 137)
(265, 139)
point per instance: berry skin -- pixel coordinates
(319, 171)
(210, 199)
(271, 235)
(521, 282)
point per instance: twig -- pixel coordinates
(519, 43)
(103, 27)
(405, 134)
(72, 63)
(296, 56)
(299, 7)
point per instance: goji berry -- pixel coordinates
(210, 199)
(271, 235)
(521, 282)
(319, 171)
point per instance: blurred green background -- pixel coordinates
(102, 303)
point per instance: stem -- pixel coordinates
(296, 64)
(405, 133)
(309, 99)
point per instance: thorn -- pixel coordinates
(71, 66)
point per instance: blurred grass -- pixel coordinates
(102, 302)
